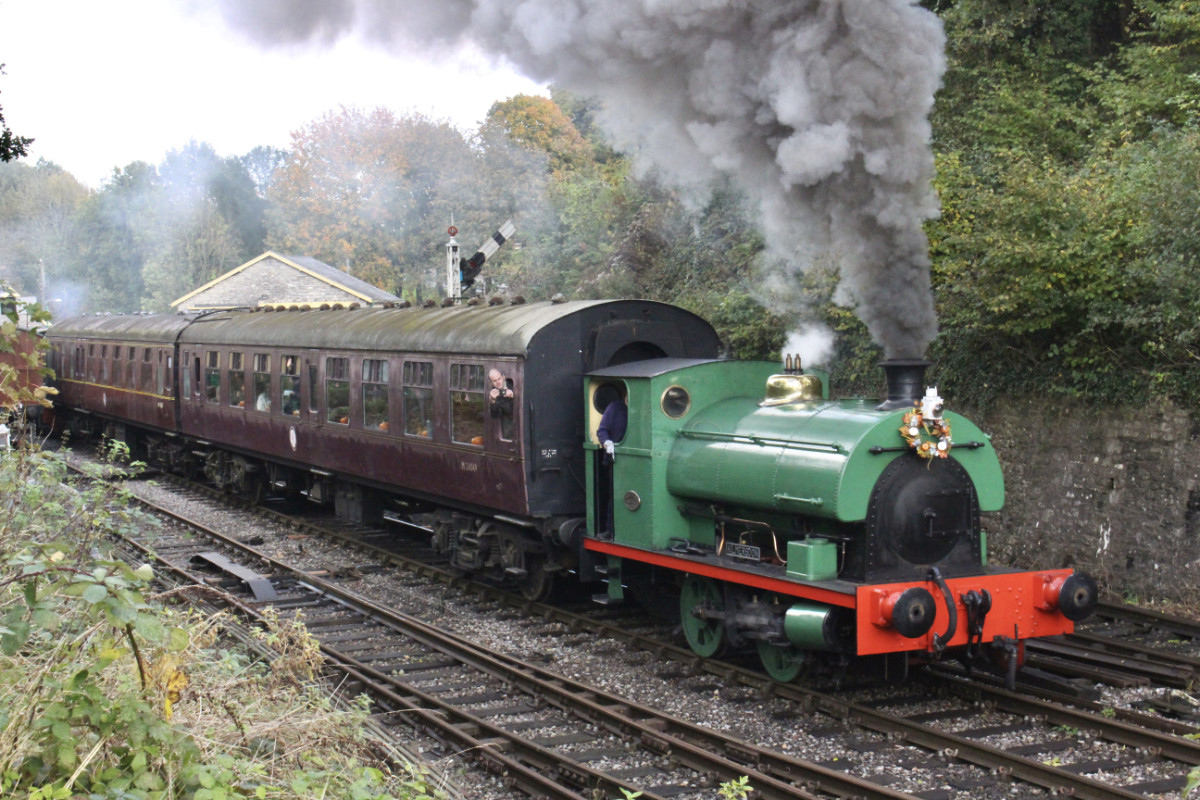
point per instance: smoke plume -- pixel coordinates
(817, 109)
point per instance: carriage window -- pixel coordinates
(105, 367)
(212, 376)
(467, 403)
(337, 390)
(289, 385)
(237, 381)
(313, 383)
(262, 382)
(118, 367)
(91, 363)
(186, 375)
(375, 394)
(78, 371)
(132, 374)
(147, 371)
(162, 376)
(418, 398)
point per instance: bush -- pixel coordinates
(109, 695)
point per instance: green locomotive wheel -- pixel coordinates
(705, 636)
(781, 663)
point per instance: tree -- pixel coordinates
(261, 164)
(234, 193)
(205, 219)
(39, 230)
(538, 123)
(1152, 80)
(372, 193)
(1065, 252)
(192, 254)
(11, 146)
(1018, 75)
(123, 229)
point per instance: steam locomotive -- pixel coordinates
(742, 500)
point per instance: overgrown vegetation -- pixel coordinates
(1066, 137)
(109, 694)
(1067, 142)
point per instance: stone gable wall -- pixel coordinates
(280, 283)
(1116, 493)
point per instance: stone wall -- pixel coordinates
(1116, 493)
(273, 282)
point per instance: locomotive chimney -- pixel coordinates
(905, 380)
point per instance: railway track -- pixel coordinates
(1126, 645)
(1126, 757)
(549, 736)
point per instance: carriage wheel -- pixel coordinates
(705, 635)
(215, 469)
(783, 663)
(256, 490)
(537, 583)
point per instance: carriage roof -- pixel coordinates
(487, 330)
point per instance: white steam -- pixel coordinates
(813, 343)
(817, 109)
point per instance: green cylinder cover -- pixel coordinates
(811, 626)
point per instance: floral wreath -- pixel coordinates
(916, 428)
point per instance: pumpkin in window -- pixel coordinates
(476, 440)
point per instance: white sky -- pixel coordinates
(101, 84)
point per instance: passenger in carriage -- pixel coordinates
(500, 402)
